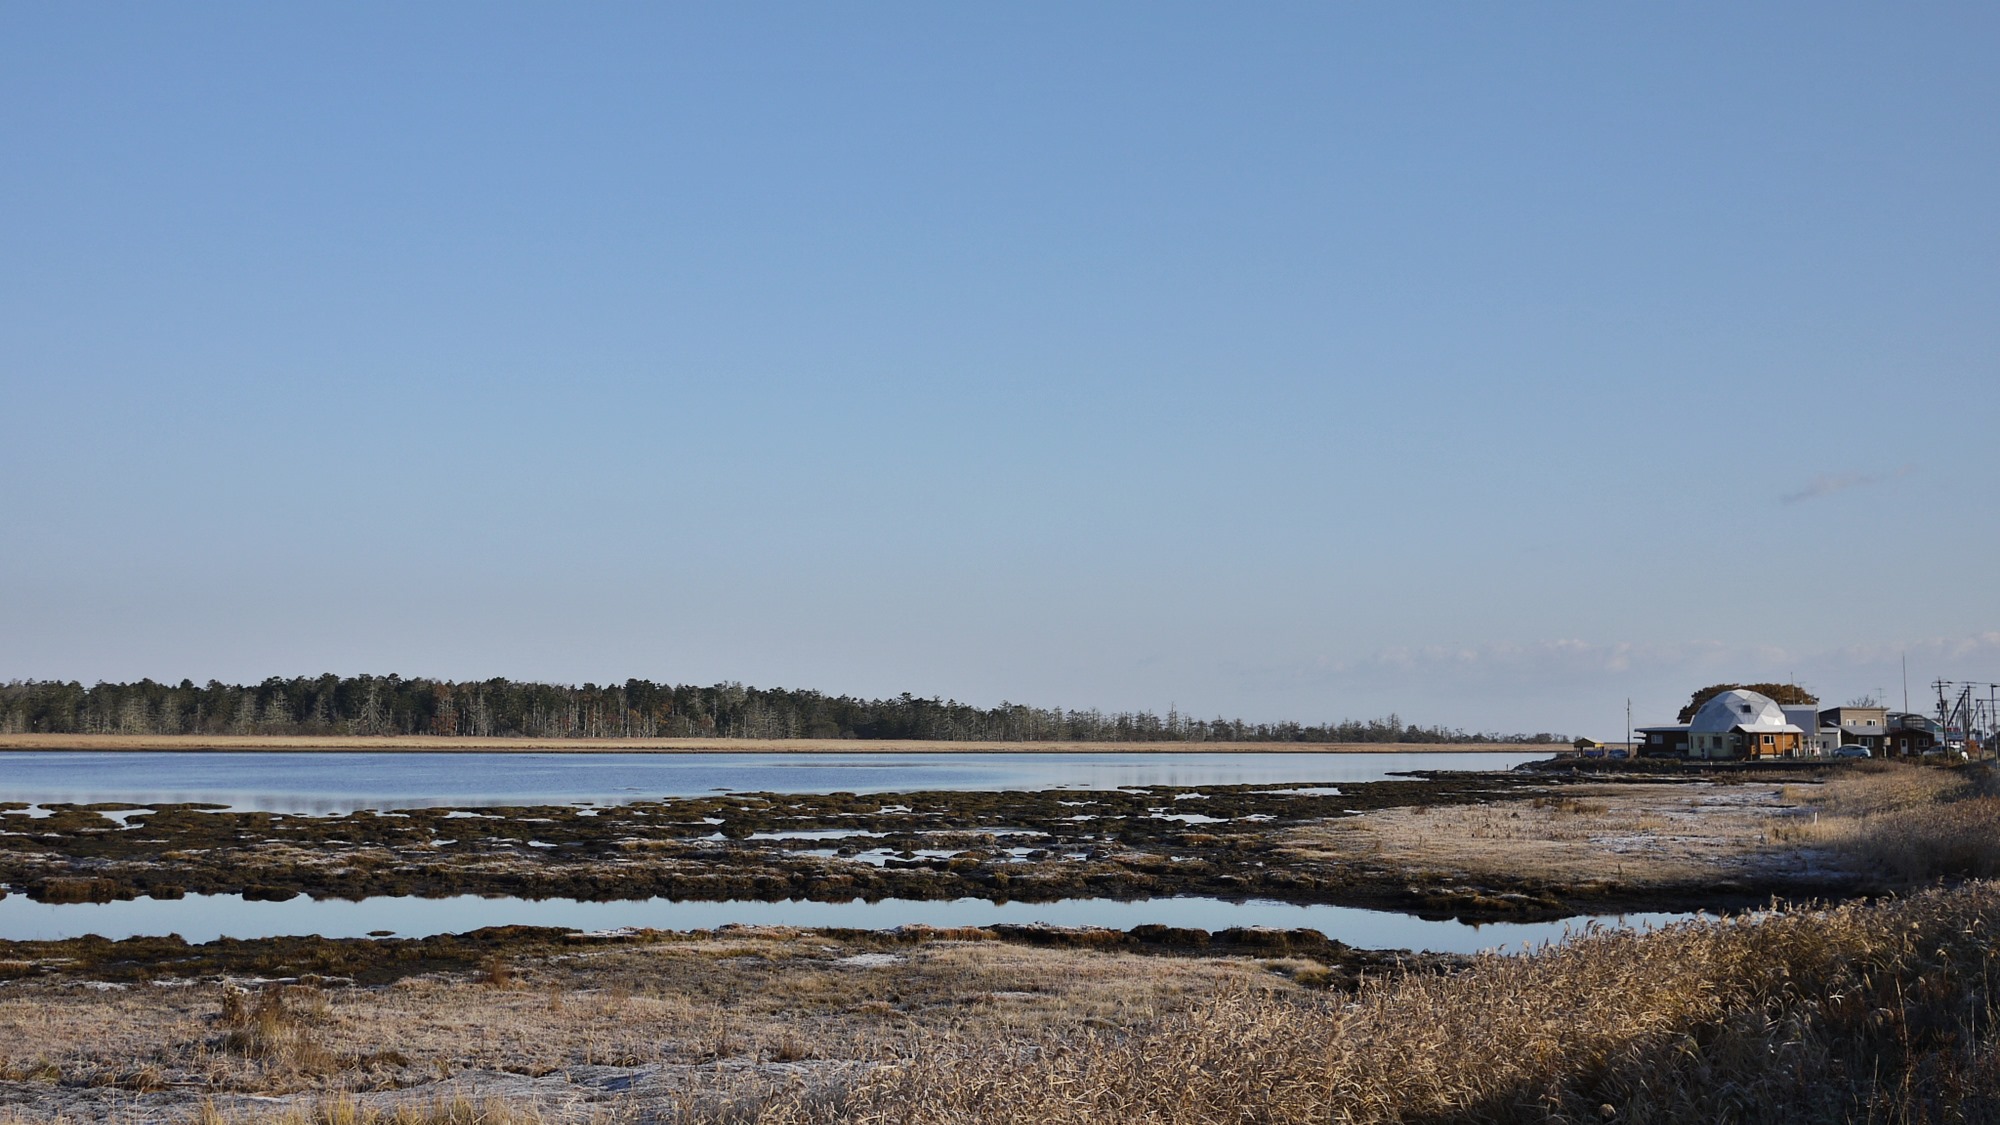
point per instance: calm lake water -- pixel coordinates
(339, 782)
(207, 917)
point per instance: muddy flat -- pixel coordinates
(1634, 835)
(155, 1031)
(1518, 845)
(643, 1026)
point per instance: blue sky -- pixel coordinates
(1486, 364)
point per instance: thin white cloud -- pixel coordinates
(1976, 648)
(1565, 658)
(1617, 656)
(1572, 663)
(1573, 685)
(1826, 484)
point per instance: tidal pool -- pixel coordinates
(340, 781)
(199, 918)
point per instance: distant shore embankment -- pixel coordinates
(244, 743)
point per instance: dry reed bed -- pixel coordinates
(1872, 826)
(440, 1111)
(759, 1006)
(1638, 834)
(1878, 1012)
(1881, 1012)
(1901, 824)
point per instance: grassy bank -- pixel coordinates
(1862, 1012)
(1902, 824)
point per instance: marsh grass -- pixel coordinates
(1880, 1012)
(436, 1111)
(1905, 824)
(757, 1008)
(1857, 1012)
(1572, 806)
(1640, 834)
(278, 1027)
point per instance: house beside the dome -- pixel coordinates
(1744, 724)
(1664, 742)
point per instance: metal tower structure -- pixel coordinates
(1965, 716)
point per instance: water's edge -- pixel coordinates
(202, 918)
(343, 781)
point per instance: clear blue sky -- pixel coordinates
(1483, 363)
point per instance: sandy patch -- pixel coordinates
(1636, 834)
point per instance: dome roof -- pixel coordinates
(1739, 708)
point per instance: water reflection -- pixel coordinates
(337, 782)
(200, 918)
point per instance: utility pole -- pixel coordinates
(1992, 719)
(1631, 751)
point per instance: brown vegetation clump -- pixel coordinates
(1647, 835)
(1883, 1011)
(1857, 1012)
(276, 1031)
(349, 1111)
(1903, 824)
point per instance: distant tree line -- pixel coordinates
(392, 705)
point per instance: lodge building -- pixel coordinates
(1748, 724)
(1744, 724)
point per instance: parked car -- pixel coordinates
(1850, 751)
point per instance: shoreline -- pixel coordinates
(437, 744)
(1478, 846)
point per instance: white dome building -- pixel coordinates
(1743, 724)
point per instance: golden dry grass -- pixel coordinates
(1903, 823)
(1882, 1012)
(1860, 1012)
(349, 1111)
(1635, 834)
(435, 744)
(440, 1111)
(1889, 824)
(745, 1000)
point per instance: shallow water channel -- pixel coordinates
(339, 782)
(199, 918)
(336, 781)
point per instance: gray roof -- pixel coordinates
(1741, 710)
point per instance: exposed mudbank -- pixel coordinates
(377, 961)
(1215, 841)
